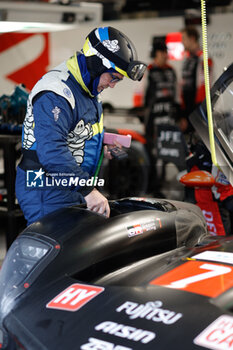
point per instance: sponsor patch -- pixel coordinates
(224, 257)
(218, 335)
(144, 227)
(74, 297)
(67, 92)
(198, 277)
(134, 230)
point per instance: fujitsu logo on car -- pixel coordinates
(127, 332)
(150, 311)
(74, 297)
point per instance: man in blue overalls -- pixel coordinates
(63, 128)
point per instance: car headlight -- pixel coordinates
(21, 259)
(23, 263)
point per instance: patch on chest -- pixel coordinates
(76, 140)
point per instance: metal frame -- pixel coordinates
(82, 12)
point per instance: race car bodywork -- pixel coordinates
(77, 278)
(148, 277)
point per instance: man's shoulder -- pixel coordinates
(169, 67)
(56, 81)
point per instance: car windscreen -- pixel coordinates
(223, 115)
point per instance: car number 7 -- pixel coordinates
(214, 270)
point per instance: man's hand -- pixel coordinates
(97, 203)
(107, 150)
(107, 153)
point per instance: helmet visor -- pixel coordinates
(136, 70)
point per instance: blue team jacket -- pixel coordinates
(64, 128)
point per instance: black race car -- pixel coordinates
(149, 277)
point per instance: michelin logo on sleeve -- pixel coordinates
(40, 179)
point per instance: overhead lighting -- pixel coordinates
(32, 27)
(39, 17)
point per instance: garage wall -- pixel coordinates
(24, 57)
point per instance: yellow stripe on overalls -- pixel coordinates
(73, 67)
(99, 126)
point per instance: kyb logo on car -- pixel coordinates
(74, 297)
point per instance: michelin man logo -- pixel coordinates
(76, 140)
(112, 45)
(56, 111)
(29, 138)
